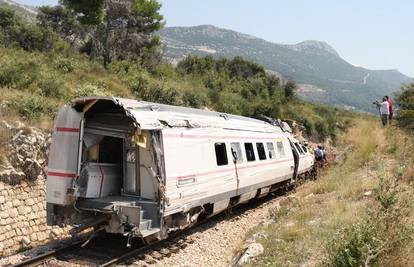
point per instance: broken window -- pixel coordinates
(299, 149)
(271, 150)
(280, 149)
(221, 154)
(304, 149)
(261, 151)
(236, 152)
(249, 151)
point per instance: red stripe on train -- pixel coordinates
(67, 129)
(62, 174)
(228, 170)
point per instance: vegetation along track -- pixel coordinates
(109, 250)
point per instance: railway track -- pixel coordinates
(110, 250)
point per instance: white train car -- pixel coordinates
(145, 169)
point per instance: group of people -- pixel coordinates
(385, 109)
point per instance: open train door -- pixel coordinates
(296, 159)
(63, 155)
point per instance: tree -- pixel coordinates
(14, 32)
(64, 22)
(115, 30)
(405, 99)
(8, 18)
(290, 90)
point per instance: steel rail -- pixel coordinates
(45, 256)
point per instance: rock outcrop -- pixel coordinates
(25, 153)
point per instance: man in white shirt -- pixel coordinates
(384, 109)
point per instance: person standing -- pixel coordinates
(390, 108)
(384, 110)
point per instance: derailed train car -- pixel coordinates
(144, 169)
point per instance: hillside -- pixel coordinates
(358, 212)
(325, 77)
(27, 12)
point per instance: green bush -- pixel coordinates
(18, 75)
(64, 64)
(354, 244)
(52, 85)
(32, 107)
(194, 99)
(89, 90)
(405, 99)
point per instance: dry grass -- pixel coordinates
(4, 140)
(306, 230)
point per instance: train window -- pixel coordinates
(299, 149)
(249, 151)
(261, 151)
(221, 154)
(305, 149)
(236, 152)
(271, 150)
(280, 149)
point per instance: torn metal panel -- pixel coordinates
(153, 116)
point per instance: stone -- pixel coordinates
(55, 232)
(16, 202)
(368, 194)
(23, 210)
(174, 249)
(165, 252)
(41, 236)
(156, 255)
(149, 260)
(29, 202)
(4, 215)
(25, 241)
(33, 237)
(32, 169)
(2, 199)
(18, 232)
(252, 251)
(13, 213)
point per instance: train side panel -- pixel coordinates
(195, 176)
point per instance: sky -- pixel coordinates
(376, 34)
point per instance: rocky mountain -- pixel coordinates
(322, 75)
(27, 12)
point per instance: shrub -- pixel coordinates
(90, 90)
(194, 99)
(32, 107)
(52, 85)
(405, 99)
(354, 244)
(65, 64)
(18, 75)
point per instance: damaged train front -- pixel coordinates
(105, 172)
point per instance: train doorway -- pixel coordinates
(296, 159)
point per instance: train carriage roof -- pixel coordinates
(150, 116)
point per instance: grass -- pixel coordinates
(4, 140)
(333, 221)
